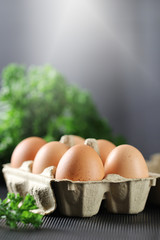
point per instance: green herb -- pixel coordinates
(16, 209)
(38, 101)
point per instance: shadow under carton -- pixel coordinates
(154, 167)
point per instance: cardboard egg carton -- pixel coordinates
(119, 195)
(22, 181)
(83, 199)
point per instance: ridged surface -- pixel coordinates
(145, 225)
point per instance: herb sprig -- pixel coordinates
(16, 209)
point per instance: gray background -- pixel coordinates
(111, 48)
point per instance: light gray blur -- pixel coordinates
(110, 47)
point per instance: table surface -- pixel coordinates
(104, 225)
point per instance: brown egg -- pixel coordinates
(71, 140)
(105, 147)
(26, 150)
(78, 139)
(48, 155)
(80, 163)
(126, 161)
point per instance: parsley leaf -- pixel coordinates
(16, 209)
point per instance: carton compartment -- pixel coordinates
(22, 181)
(128, 197)
(82, 199)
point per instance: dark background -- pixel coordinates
(111, 48)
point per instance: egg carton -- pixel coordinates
(83, 199)
(22, 180)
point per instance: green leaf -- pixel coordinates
(11, 210)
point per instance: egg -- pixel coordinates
(26, 150)
(71, 140)
(77, 139)
(48, 155)
(80, 163)
(105, 147)
(126, 161)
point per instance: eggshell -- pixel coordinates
(105, 147)
(78, 139)
(48, 155)
(26, 150)
(71, 140)
(127, 161)
(80, 163)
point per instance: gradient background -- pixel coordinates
(111, 48)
